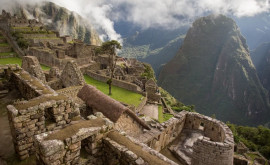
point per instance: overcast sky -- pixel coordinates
(151, 13)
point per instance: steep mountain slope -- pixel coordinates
(261, 59)
(213, 70)
(63, 20)
(255, 29)
(154, 46)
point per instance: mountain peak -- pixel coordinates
(213, 70)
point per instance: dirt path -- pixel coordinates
(151, 110)
(6, 144)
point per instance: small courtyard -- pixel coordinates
(119, 94)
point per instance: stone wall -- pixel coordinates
(81, 50)
(213, 129)
(71, 75)
(216, 146)
(29, 86)
(94, 66)
(54, 41)
(4, 29)
(47, 57)
(85, 135)
(29, 118)
(7, 70)
(169, 131)
(120, 151)
(31, 65)
(44, 35)
(142, 104)
(55, 84)
(4, 49)
(83, 61)
(206, 152)
(119, 83)
(127, 124)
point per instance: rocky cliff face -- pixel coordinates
(63, 20)
(261, 59)
(213, 70)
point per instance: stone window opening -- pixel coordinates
(201, 127)
(49, 117)
(213, 128)
(85, 150)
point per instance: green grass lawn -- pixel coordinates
(4, 44)
(45, 67)
(16, 60)
(162, 117)
(120, 94)
(7, 53)
(12, 60)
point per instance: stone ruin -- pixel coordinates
(49, 125)
(124, 118)
(54, 51)
(31, 65)
(61, 120)
(152, 91)
(71, 75)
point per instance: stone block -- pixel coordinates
(75, 146)
(139, 161)
(50, 147)
(24, 156)
(130, 155)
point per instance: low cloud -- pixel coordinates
(168, 14)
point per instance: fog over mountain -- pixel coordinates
(169, 14)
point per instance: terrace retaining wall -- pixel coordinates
(118, 83)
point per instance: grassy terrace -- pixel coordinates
(7, 53)
(4, 44)
(119, 94)
(162, 117)
(16, 60)
(25, 27)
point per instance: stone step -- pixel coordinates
(3, 92)
(3, 40)
(2, 95)
(7, 55)
(4, 49)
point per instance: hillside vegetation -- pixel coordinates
(255, 138)
(154, 46)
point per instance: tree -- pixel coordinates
(110, 47)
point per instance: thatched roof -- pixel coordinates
(94, 98)
(111, 108)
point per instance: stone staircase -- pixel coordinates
(6, 50)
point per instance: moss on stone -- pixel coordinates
(73, 129)
(31, 103)
(36, 83)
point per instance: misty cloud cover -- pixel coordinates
(168, 14)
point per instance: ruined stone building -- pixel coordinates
(58, 119)
(49, 124)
